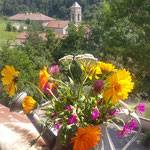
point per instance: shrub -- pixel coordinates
(146, 139)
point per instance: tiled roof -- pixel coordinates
(24, 35)
(31, 16)
(7, 116)
(59, 24)
(17, 131)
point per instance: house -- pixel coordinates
(20, 39)
(32, 17)
(58, 26)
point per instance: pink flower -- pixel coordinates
(95, 114)
(57, 126)
(69, 107)
(141, 108)
(47, 86)
(54, 115)
(72, 120)
(54, 70)
(98, 86)
(100, 101)
(125, 131)
(133, 124)
(113, 113)
(127, 128)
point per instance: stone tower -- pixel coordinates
(76, 13)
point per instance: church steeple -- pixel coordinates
(76, 13)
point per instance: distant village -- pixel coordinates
(58, 26)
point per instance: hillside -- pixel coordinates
(54, 8)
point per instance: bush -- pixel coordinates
(14, 29)
(8, 27)
(146, 139)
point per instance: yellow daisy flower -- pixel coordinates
(10, 79)
(28, 104)
(104, 67)
(120, 84)
(86, 138)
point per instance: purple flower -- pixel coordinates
(133, 124)
(127, 128)
(98, 86)
(33, 121)
(100, 101)
(141, 108)
(69, 107)
(54, 70)
(113, 112)
(47, 87)
(54, 115)
(72, 120)
(57, 126)
(95, 114)
(125, 131)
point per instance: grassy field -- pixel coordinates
(5, 35)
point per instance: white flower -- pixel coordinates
(66, 59)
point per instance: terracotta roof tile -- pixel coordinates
(24, 35)
(7, 116)
(59, 24)
(31, 16)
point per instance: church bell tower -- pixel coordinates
(76, 13)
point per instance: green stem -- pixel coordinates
(35, 140)
(126, 105)
(69, 68)
(52, 94)
(116, 125)
(37, 89)
(62, 83)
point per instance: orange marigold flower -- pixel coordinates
(43, 77)
(120, 84)
(28, 104)
(10, 79)
(86, 138)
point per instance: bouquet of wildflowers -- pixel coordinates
(94, 100)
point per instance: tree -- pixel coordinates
(120, 33)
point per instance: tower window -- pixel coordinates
(78, 17)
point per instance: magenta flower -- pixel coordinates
(47, 86)
(72, 120)
(125, 131)
(133, 124)
(33, 121)
(54, 115)
(98, 86)
(57, 126)
(69, 107)
(54, 70)
(100, 101)
(141, 108)
(127, 128)
(113, 112)
(95, 114)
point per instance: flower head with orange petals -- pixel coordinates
(86, 138)
(10, 79)
(43, 77)
(28, 104)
